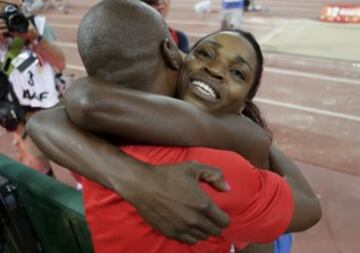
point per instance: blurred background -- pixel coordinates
(310, 94)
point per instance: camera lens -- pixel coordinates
(15, 20)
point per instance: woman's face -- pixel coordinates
(162, 6)
(217, 75)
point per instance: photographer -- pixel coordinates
(29, 64)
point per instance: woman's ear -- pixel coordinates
(171, 54)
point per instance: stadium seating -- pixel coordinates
(43, 210)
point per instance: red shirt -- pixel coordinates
(259, 204)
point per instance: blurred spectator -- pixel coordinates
(203, 7)
(162, 6)
(250, 5)
(232, 14)
(60, 5)
(32, 6)
(247, 4)
(29, 65)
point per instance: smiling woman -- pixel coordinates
(222, 73)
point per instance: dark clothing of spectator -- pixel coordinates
(181, 40)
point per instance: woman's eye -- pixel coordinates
(203, 54)
(237, 74)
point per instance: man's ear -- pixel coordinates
(171, 54)
(242, 107)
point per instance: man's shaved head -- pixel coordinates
(120, 41)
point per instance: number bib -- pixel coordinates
(34, 85)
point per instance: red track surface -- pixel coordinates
(311, 104)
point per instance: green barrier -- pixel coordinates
(54, 209)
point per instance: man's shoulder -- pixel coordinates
(173, 149)
(177, 154)
(154, 154)
(216, 155)
(212, 151)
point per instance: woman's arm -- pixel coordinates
(153, 119)
(307, 209)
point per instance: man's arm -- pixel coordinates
(307, 209)
(160, 120)
(168, 199)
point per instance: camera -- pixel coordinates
(15, 20)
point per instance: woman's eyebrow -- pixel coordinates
(239, 59)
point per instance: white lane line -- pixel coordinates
(75, 67)
(207, 23)
(312, 75)
(63, 25)
(66, 44)
(245, 26)
(308, 109)
(64, 16)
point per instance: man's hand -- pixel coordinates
(170, 200)
(167, 197)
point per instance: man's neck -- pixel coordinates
(164, 83)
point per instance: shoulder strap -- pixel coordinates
(15, 47)
(32, 20)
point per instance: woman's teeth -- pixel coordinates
(204, 88)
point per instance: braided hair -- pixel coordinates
(250, 110)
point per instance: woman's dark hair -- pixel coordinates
(250, 110)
